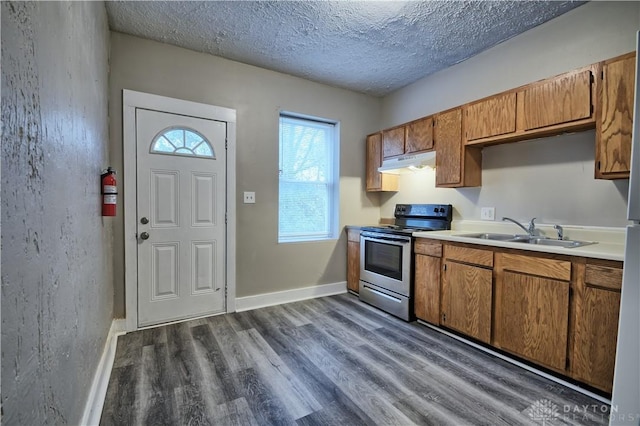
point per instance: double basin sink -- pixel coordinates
(527, 239)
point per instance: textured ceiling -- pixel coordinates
(374, 47)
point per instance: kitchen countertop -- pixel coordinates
(610, 241)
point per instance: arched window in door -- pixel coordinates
(182, 141)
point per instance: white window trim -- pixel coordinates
(334, 214)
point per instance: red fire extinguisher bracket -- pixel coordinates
(109, 191)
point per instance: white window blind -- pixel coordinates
(308, 179)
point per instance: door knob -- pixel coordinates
(144, 235)
(144, 221)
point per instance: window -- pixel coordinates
(309, 171)
(182, 141)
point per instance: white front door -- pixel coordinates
(181, 170)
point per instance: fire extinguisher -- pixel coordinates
(109, 192)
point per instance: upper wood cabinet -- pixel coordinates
(393, 142)
(599, 95)
(419, 135)
(544, 108)
(614, 121)
(448, 136)
(376, 181)
(456, 165)
(597, 307)
(427, 280)
(416, 136)
(559, 100)
(531, 317)
(467, 291)
(491, 117)
(353, 260)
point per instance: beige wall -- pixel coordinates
(258, 95)
(549, 178)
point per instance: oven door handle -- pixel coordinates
(400, 241)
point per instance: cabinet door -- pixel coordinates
(375, 180)
(532, 308)
(614, 127)
(491, 117)
(560, 100)
(353, 265)
(393, 142)
(427, 288)
(466, 299)
(419, 135)
(448, 142)
(597, 311)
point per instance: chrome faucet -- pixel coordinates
(560, 231)
(532, 225)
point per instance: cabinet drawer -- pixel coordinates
(603, 276)
(353, 235)
(469, 255)
(550, 268)
(428, 248)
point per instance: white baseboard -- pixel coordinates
(98, 391)
(276, 298)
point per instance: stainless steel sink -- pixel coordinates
(559, 243)
(498, 237)
(526, 239)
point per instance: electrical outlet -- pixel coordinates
(488, 213)
(249, 197)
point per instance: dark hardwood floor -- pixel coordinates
(327, 361)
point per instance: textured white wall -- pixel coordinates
(258, 95)
(57, 281)
(550, 178)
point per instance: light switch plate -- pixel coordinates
(249, 197)
(488, 213)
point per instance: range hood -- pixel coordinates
(408, 163)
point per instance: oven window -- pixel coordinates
(384, 259)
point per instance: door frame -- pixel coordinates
(131, 100)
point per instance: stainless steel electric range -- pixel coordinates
(386, 256)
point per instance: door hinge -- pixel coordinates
(225, 218)
(226, 144)
(598, 165)
(602, 75)
(444, 267)
(591, 79)
(444, 317)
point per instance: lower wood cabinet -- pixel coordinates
(559, 312)
(532, 308)
(596, 325)
(426, 302)
(353, 259)
(466, 291)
